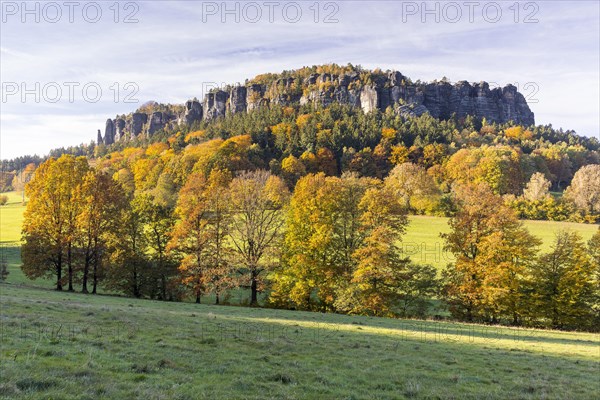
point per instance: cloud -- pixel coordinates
(171, 52)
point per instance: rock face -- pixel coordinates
(237, 99)
(119, 129)
(109, 132)
(285, 92)
(497, 105)
(191, 113)
(254, 96)
(368, 90)
(440, 99)
(369, 99)
(215, 104)
(138, 120)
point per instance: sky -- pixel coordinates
(67, 67)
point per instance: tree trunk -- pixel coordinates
(70, 265)
(59, 274)
(217, 298)
(163, 284)
(95, 277)
(197, 297)
(96, 258)
(254, 288)
(86, 269)
(136, 288)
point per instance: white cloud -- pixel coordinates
(171, 52)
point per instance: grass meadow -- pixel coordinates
(73, 346)
(423, 244)
(57, 345)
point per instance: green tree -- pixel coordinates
(159, 225)
(562, 280)
(594, 249)
(379, 264)
(257, 200)
(130, 266)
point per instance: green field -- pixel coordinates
(423, 244)
(11, 219)
(73, 346)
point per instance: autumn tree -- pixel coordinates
(49, 226)
(130, 267)
(326, 162)
(413, 186)
(22, 177)
(257, 200)
(307, 241)
(399, 154)
(292, 169)
(499, 167)
(220, 253)
(585, 189)
(493, 251)
(102, 201)
(537, 188)
(559, 165)
(200, 234)
(323, 230)
(189, 235)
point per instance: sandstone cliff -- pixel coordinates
(369, 90)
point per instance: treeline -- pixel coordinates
(333, 243)
(87, 227)
(294, 141)
(16, 172)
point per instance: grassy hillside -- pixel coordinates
(423, 244)
(11, 216)
(11, 219)
(73, 346)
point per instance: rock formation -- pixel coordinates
(192, 113)
(370, 91)
(215, 104)
(109, 132)
(138, 120)
(237, 99)
(119, 129)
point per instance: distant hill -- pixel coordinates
(324, 85)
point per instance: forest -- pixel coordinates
(306, 208)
